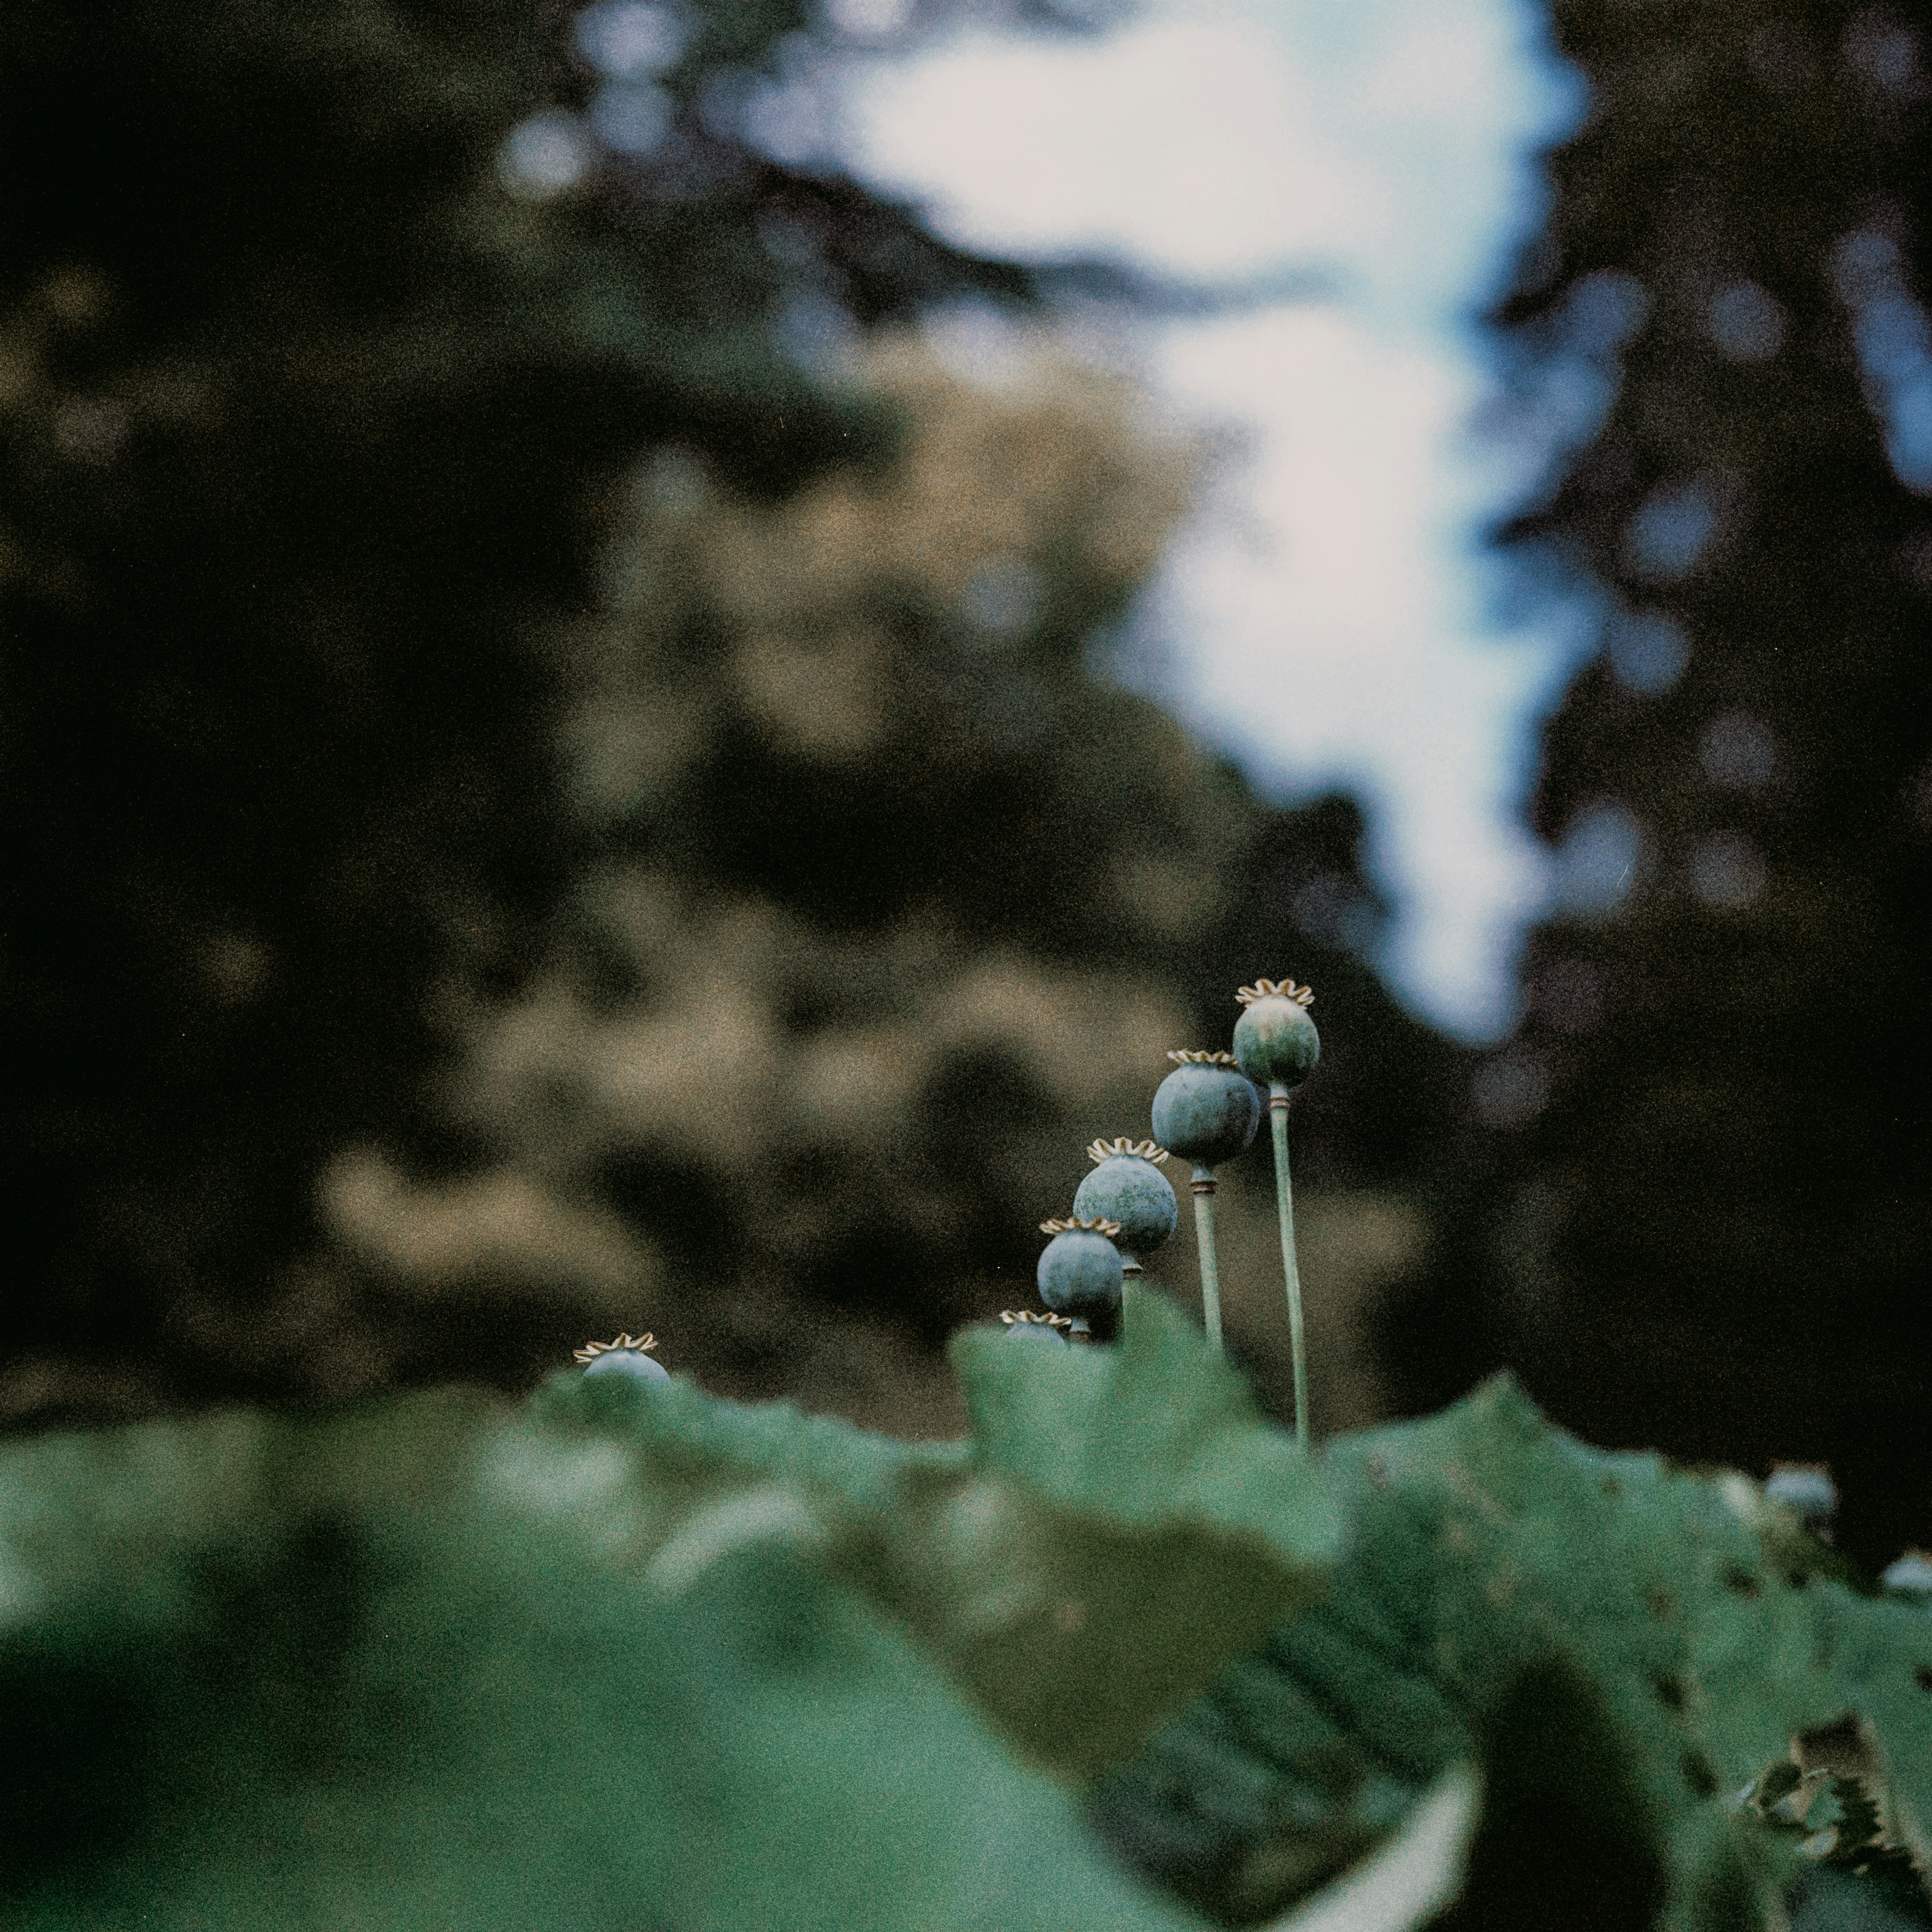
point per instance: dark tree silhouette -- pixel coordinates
(1698, 1202)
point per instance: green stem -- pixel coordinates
(1203, 1233)
(1284, 1201)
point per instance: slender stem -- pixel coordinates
(1132, 1275)
(1284, 1201)
(1203, 1233)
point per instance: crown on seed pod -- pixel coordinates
(1080, 1270)
(627, 1359)
(1271, 989)
(1188, 1057)
(1100, 1150)
(637, 1344)
(1024, 1318)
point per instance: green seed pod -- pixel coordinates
(626, 1356)
(1808, 1491)
(1024, 1324)
(1275, 1040)
(1128, 1186)
(1080, 1270)
(1206, 1110)
(1909, 1579)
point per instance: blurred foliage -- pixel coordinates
(637, 1655)
(1695, 1209)
(552, 756)
(623, 1665)
(561, 774)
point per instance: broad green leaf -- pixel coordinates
(1123, 1522)
(1849, 1679)
(1487, 1547)
(639, 1656)
(1128, 1513)
(430, 1665)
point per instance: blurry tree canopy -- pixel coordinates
(536, 793)
(1698, 1183)
(889, 906)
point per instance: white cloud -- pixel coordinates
(1325, 617)
(1327, 629)
(1150, 142)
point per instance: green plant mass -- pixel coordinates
(645, 1657)
(1504, 1582)
(637, 1655)
(559, 771)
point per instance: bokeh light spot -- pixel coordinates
(629, 41)
(1597, 862)
(1727, 870)
(542, 157)
(1672, 530)
(1510, 1091)
(630, 120)
(1648, 651)
(1738, 752)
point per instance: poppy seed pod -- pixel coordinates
(1275, 1040)
(626, 1356)
(1206, 1110)
(1128, 1186)
(1909, 1579)
(1025, 1325)
(1080, 1270)
(1808, 1491)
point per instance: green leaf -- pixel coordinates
(1486, 1548)
(428, 1665)
(640, 1653)
(1881, 1662)
(1156, 1432)
(1124, 1521)
(1129, 1522)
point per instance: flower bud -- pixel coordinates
(1023, 1325)
(1909, 1579)
(1808, 1492)
(1080, 1271)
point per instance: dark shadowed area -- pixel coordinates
(1694, 1188)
